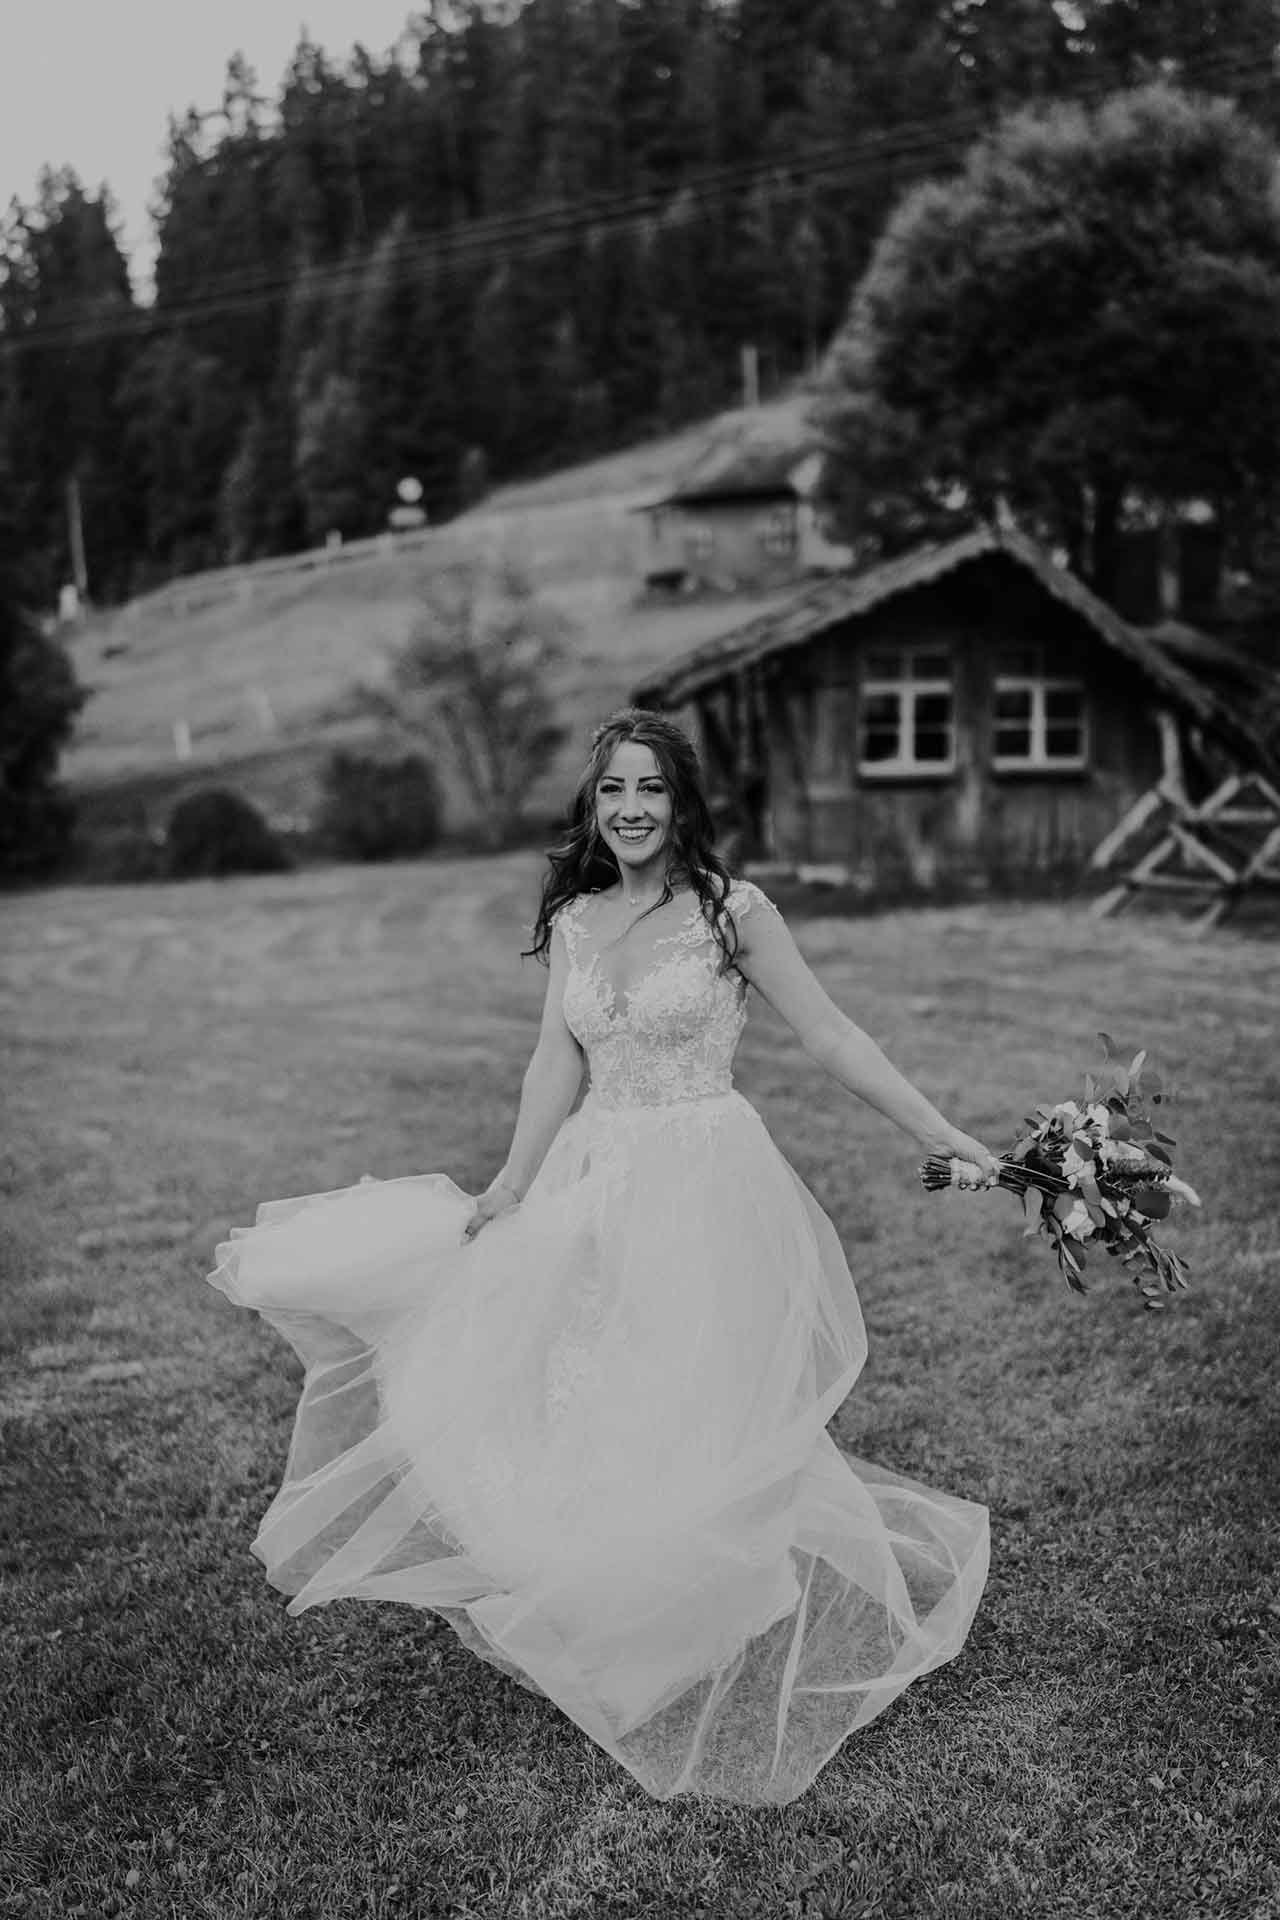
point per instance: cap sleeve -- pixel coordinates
(568, 917)
(746, 897)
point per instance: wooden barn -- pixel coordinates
(743, 516)
(968, 714)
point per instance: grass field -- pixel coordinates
(176, 1746)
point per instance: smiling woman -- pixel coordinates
(583, 1417)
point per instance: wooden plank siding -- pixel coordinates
(779, 705)
(973, 825)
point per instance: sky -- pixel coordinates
(90, 83)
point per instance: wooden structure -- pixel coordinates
(742, 516)
(965, 716)
(1209, 856)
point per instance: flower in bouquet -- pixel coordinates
(1097, 1172)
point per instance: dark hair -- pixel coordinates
(582, 864)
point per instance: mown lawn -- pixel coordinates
(175, 1745)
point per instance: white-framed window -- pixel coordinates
(1038, 717)
(908, 722)
(778, 531)
(699, 542)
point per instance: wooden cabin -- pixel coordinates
(744, 516)
(966, 715)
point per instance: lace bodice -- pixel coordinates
(675, 1035)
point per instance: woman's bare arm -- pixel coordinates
(772, 962)
(551, 1083)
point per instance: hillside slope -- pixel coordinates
(260, 684)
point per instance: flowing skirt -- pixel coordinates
(593, 1440)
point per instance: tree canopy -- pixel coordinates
(1089, 313)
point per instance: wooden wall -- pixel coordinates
(739, 556)
(971, 827)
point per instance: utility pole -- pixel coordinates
(75, 537)
(750, 376)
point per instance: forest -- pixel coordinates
(532, 233)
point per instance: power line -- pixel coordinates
(909, 148)
(542, 229)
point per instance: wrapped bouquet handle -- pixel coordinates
(938, 1172)
(1097, 1170)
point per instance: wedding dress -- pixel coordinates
(593, 1439)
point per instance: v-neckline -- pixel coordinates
(619, 1007)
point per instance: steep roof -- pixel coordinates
(739, 469)
(831, 602)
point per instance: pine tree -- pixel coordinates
(39, 700)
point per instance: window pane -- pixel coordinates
(1064, 743)
(880, 744)
(931, 666)
(884, 663)
(881, 726)
(933, 727)
(1013, 743)
(1013, 703)
(1062, 704)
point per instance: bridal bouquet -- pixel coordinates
(1096, 1172)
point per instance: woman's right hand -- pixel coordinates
(495, 1200)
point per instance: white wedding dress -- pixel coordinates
(593, 1439)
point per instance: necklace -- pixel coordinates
(635, 900)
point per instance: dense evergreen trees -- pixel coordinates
(39, 700)
(535, 232)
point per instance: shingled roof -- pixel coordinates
(739, 469)
(833, 601)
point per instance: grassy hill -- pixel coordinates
(261, 682)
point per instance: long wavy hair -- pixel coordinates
(583, 864)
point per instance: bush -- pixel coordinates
(36, 825)
(378, 806)
(214, 831)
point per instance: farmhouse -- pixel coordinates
(968, 713)
(743, 516)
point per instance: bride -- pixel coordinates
(582, 1417)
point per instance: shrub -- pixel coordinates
(378, 806)
(214, 831)
(36, 825)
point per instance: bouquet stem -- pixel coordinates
(937, 1172)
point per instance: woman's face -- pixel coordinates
(634, 809)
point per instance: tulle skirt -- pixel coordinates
(593, 1440)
